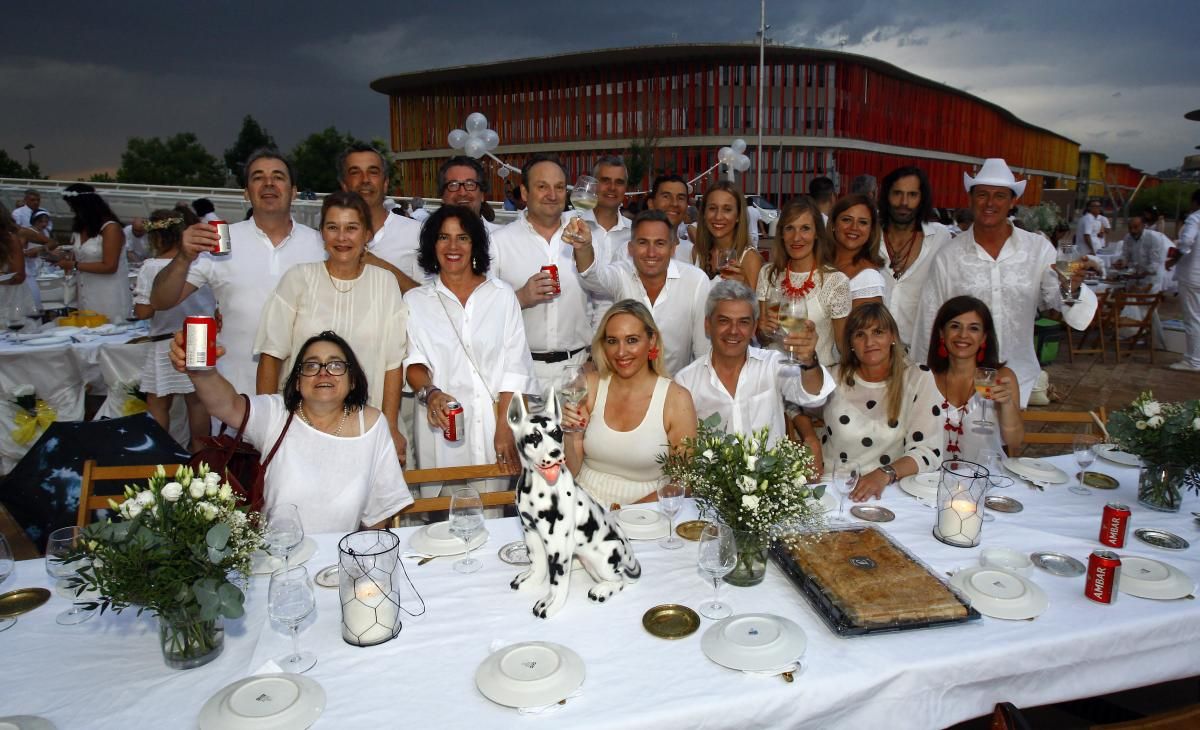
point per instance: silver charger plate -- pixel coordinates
(515, 553)
(872, 513)
(328, 577)
(1160, 539)
(1058, 564)
(1001, 503)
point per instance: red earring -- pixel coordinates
(982, 348)
(942, 351)
(653, 354)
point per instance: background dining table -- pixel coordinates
(108, 672)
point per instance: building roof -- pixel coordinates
(398, 84)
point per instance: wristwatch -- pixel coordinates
(424, 393)
(809, 366)
(890, 471)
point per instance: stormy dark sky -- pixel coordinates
(80, 78)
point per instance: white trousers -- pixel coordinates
(1189, 296)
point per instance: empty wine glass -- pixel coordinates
(985, 378)
(845, 478)
(1083, 446)
(284, 531)
(717, 556)
(993, 461)
(670, 500)
(466, 519)
(61, 543)
(6, 568)
(573, 389)
(289, 601)
(793, 314)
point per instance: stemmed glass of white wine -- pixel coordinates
(573, 390)
(793, 314)
(584, 196)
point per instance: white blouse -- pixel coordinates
(868, 283)
(829, 300)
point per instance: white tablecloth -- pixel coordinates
(107, 673)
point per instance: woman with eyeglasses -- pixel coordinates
(331, 454)
(344, 294)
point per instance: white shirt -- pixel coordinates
(23, 217)
(678, 311)
(753, 217)
(610, 245)
(869, 283)
(1149, 254)
(170, 321)
(420, 215)
(904, 298)
(518, 252)
(491, 327)
(242, 281)
(397, 243)
(1013, 285)
(1089, 225)
(1187, 271)
(337, 483)
(761, 387)
(137, 248)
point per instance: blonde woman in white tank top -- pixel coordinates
(633, 411)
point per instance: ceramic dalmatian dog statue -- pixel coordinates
(561, 521)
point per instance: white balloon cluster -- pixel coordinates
(734, 156)
(476, 140)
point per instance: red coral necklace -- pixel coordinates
(797, 292)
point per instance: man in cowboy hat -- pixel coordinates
(1011, 270)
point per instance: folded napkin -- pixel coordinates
(796, 668)
(497, 645)
(269, 668)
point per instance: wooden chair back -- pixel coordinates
(1143, 325)
(1086, 419)
(1095, 327)
(415, 477)
(89, 501)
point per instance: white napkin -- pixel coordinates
(497, 645)
(269, 668)
(796, 668)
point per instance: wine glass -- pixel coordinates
(583, 197)
(573, 390)
(1082, 446)
(284, 531)
(845, 478)
(670, 500)
(793, 314)
(985, 378)
(6, 568)
(15, 319)
(993, 461)
(289, 601)
(725, 257)
(61, 543)
(466, 518)
(717, 556)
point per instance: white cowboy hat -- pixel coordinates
(995, 172)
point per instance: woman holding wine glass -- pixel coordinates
(16, 301)
(964, 354)
(856, 238)
(99, 254)
(885, 412)
(721, 245)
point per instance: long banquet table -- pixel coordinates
(108, 672)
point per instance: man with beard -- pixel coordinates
(909, 244)
(362, 169)
(462, 181)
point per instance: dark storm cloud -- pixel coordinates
(1117, 76)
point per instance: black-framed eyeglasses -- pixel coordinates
(469, 185)
(311, 368)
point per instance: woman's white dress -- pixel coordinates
(108, 294)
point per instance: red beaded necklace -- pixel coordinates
(953, 430)
(797, 292)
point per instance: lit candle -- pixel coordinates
(960, 521)
(368, 615)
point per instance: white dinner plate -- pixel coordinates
(1036, 469)
(26, 722)
(436, 540)
(530, 674)
(754, 642)
(63, 331)
(264, 702)
(45, 341)
(640, 523)
(262, 563)
(999, 593)
(1146, 578)
(1110, 452)
(923, 485)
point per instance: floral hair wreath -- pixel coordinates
(164, 223)
(77, 193)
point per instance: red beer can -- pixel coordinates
(1104, 572)
(200, 342)
(225, 244)
(1113, 524)
(552, 270)
(454, 430)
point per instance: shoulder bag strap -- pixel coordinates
(495, 400)
(256, 491)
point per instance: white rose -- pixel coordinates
(747, 484)
(708, 454)
(172, 491)
(196, 489)
(1154, 421)
(1196, 424)
(132, 509)
(1151, 408)
(750, 462)
(21, 391)
(210, 490)
(1141, 425)
(208, 510)
(145, 499)
(750, 501)
(212, 479)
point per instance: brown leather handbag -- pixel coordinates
(240, 463)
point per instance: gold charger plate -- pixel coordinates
(671, 621)
(22, 600)
(691, 529)
(1098, 480)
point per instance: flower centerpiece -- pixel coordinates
(172, 553)
(1167, 438)
(760, 489)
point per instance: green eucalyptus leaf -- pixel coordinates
(232, 600)
(218, 536)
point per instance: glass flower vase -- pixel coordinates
(1160, 487)
(188, 642)
(751, 564)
